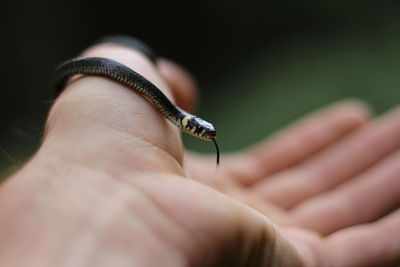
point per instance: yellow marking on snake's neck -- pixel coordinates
(185, 121)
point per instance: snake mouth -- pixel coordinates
(206, 138)
(209, 136)
(206, 135)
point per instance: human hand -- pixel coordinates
(329, 182)
(107, 188)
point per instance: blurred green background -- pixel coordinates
(259, 64)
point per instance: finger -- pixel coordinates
(360, 200)
(180, 82)
(375, 244)
(298, 142)
(94, 112)
(336, 164)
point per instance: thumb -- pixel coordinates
(100, 117)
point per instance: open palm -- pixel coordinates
(107, 187)
(329, 181)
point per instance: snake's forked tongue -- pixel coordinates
(217, 149)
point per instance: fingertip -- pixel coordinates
(181, 82)
(354, 108)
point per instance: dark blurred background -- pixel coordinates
(259, 64)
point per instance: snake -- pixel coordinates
(117, 71)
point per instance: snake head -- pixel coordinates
(198, 127)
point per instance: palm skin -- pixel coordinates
(107, 187)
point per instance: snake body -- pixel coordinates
(112, 69)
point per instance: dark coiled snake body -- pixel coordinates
(112, 69)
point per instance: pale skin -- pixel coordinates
(107, 186)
